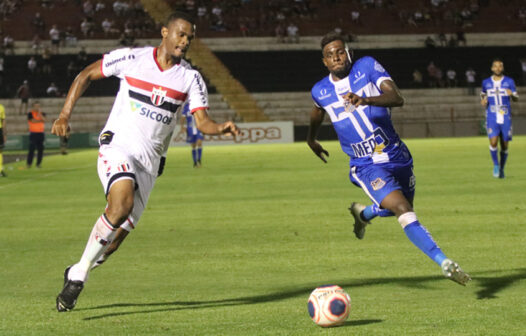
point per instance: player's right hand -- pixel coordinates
(61, 127)
(318, 150)
(484, 101)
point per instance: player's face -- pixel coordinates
(497, 68)
(177, 37)
(335, 59)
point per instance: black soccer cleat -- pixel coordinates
(67, 298)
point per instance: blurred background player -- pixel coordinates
(154, 83)
(193, 136)
(497, 92)
(36, 120)
(357, 98)
(2, 140)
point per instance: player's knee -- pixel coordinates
(118, 212)
(401, 208)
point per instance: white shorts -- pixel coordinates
(114, 165)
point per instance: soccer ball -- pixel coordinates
(329, 306)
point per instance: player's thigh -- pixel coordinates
(375, 181)
(506, 131)
(146, 183)
(115, 165)
(493, 130)
(404, 175)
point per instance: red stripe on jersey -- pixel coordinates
(140, 84)
(198, 108)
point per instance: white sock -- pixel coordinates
(99, 240)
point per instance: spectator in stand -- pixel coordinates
(470, 80)
(293, 35)
(461, 38)
(32, 65)
(418, 78)
(46, 61)
(38, 23)
(280, 33)
(86, 27)
(442, 39)
(430, 42)
(72, 70)
(88, 9)
(202, 12)
(452, 42)
(243, 26)
(36, 44)
(99, 6)
(82, 58)
(24, 93)
(54, 36)
(432, 74)
(355, 17)
(70, 37)
(451, 78)
(106, 27)
(9, 45)
(52, 90)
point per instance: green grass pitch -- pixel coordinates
(235, 247)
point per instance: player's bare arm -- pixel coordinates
(513, 96)
(316, 118)
(391, 96)
(208, 126)
(80, 84)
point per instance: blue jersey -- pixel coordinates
(366, 133)
(499, 102)
(191, 128)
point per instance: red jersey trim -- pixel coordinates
(140, 84)
(198, 108)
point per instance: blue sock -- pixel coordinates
(493, 152)
(373, 210)
(199, 153)
(503, 158)
(194, 155)
(421, 238)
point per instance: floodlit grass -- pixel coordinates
(235, 247)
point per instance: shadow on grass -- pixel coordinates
(490, 286)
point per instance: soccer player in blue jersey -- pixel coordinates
(497, 93)
(357, 98)
(193, 136)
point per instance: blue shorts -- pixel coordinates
(192, 138)
(379, 180)
(493, 129)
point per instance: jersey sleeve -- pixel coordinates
(316, 103)
(114, 62)
(483, 91)
(198, 94)
(376, 72)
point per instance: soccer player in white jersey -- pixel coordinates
(496, 95)
(154, 84)
(357, 98)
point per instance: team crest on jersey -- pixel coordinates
(377, 184)
(158, 96)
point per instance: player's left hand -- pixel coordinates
(61, 127)
(354, 99)
(229, 128)
(508, 92)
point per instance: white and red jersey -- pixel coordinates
(143, 115)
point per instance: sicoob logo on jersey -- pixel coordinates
(158, 95)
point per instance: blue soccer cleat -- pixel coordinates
(496, 171)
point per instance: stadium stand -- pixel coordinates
(275, 77)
